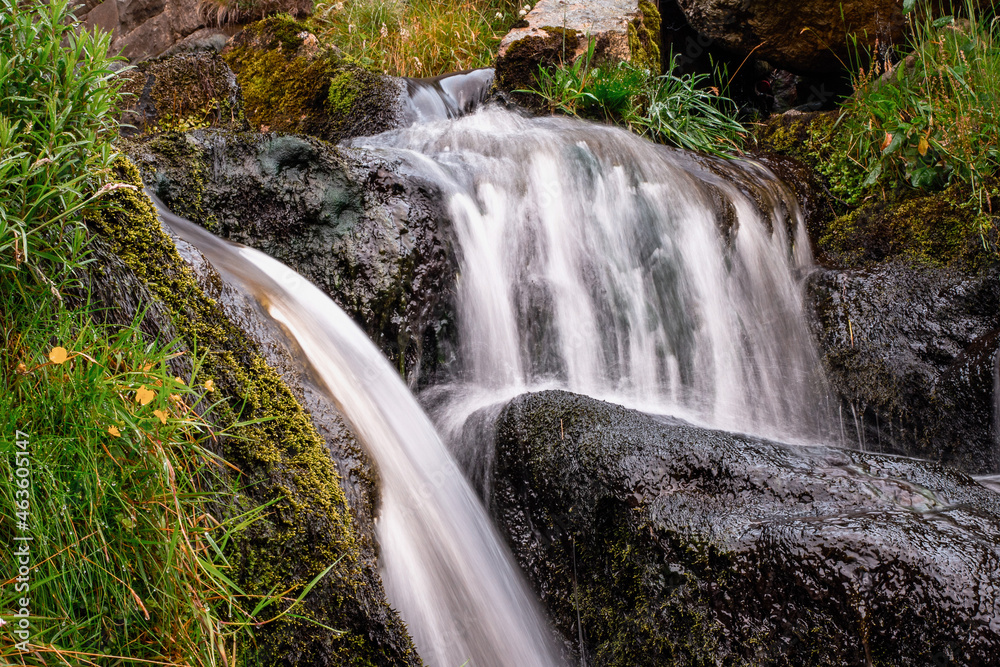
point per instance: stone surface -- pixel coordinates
(555, 32)
(804, 37)
(911, 353)
(673, 544)
(183, 92)
(143, 29)
(362, 228)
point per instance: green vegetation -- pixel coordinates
(108, 436)
(418, 38)
(680, 110)
(929, 121)
(57, 115)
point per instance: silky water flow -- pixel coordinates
(590, 260)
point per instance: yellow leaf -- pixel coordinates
(113, 430)
(209, 385)
(143, 396)
(179, 380)
(923, 146)
(886, 141)
(162, 415)
(57, 355)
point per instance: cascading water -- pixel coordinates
(590, 260)
(595, 261)
(445, 568)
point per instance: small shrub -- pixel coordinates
(58, 114)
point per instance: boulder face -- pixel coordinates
(184, 92)
(654, 542)
(556, 32)
(803, 37)
(912, 351)
(142, 29)
(361, 227)
(292, 83)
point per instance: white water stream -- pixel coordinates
(598, 262)
(590, 260)
(444, 567)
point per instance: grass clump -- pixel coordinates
(928, 121)
(111, 502)
(416, 38)
(679, 110)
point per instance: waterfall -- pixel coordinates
(596, 261)
(444, 567)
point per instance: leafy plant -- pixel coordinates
(58, 113)
(681, 110)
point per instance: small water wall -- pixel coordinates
(444, 567)
(598, 262)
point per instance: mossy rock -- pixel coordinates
(292, 83)
(182, 92)
(364, 228)
(345, 619)
(858, 226)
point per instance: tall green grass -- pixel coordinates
(105, 443)
(418, 38)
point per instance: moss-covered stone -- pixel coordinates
(292, 83)
(517, 69)
(644, 38)
(183, 92)
(282, 461)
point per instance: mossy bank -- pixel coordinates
(282, 462)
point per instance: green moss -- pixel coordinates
(292, 84)
(933, 229)
(181, 93)
(281, 460)
(344, 91)
(644, 38)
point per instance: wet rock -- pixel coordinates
(184, 92)
(911, 351)
(654, 542)
(292, 83)
(361, 227)
(556, 32)
(804, 37)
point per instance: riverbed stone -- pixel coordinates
(654, 542)
(362, 227)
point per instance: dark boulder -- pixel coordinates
(360, 226)
(653, 542)
(911, 352)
